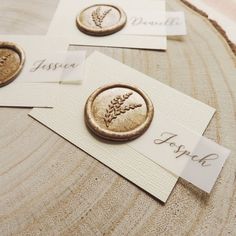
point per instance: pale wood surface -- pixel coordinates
(49, 187)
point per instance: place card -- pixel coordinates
(64, 23)
(55, 67)
(26, 94)
(67, 119)
(182, 151)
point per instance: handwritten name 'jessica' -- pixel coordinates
(52, 66)
(180, 150)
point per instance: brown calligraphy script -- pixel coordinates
(51, 66)
(180, 150)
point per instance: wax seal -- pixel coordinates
(101, 19)
(12, 59)
(118, 112)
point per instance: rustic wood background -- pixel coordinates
(49, 187)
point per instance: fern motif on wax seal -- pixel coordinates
(98, 17)
(118, 112)
(101, 19)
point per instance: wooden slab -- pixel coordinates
(49, 187)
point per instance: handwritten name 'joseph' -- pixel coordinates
(180, 150)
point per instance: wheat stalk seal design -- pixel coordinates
(118, 112)
(99, 16)
(101, 19)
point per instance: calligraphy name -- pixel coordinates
(181, 151)
(170, 21)
(49, 66)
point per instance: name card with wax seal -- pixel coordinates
(159, 23)
(122, 109)
(56, 67)
(100, 23)
(183, 152)
(17, 89)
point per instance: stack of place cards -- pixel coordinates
(129, 159)
(172, 147)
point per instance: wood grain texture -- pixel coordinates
(49, 187)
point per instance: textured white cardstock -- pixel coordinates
(182, 152)
(25, 94)
(64, 23)
(67, 119)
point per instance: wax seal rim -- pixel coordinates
(15, 47)
(112, 135)
(106, 31)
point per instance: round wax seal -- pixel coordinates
(101, 19)
(118, 112)
(12, 60)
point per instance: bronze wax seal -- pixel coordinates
(101, 19)
(118, 112)
(12, 59)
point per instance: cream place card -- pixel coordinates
(64, 23)
(67, 119)
(23, 92)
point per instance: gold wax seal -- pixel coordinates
(101, 19)
(12, 60)
(118, 112)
